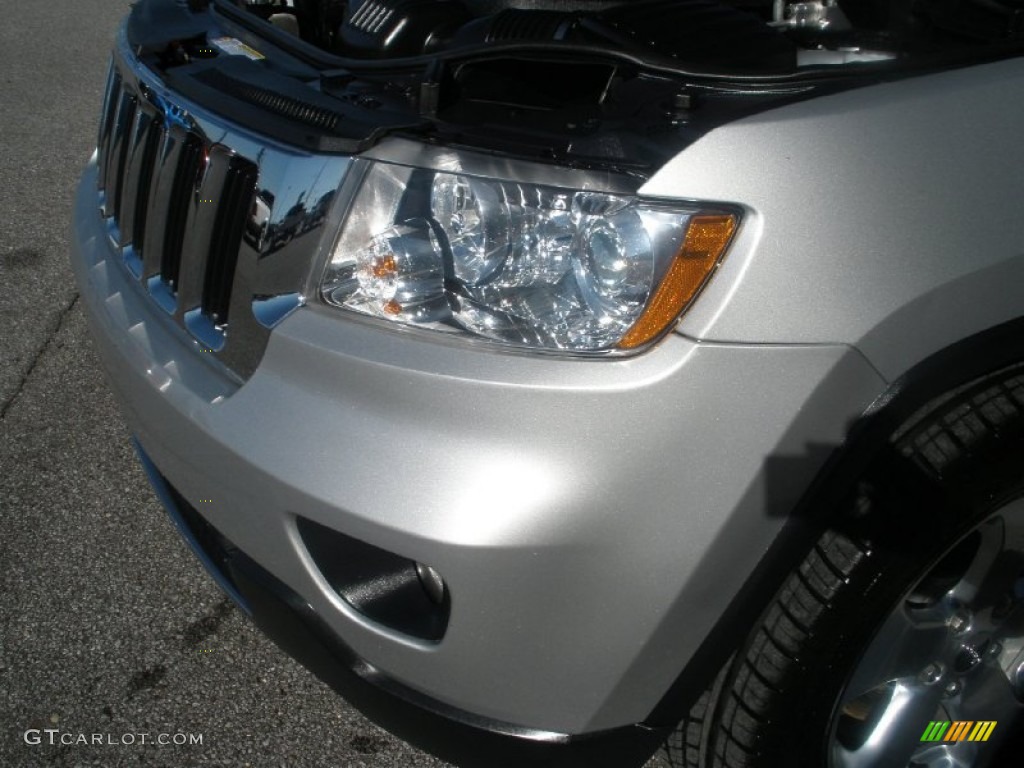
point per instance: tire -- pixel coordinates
(909, 610)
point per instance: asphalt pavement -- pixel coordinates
(109, 627)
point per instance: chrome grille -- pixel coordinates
(213, 220)
(192, 197)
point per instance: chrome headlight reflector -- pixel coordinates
(523, 264)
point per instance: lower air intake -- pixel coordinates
(385, 587)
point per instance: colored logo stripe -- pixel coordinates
(982, 730)
(935, 730)
(958, 730)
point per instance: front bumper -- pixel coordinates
(592, 519)
(446, 732)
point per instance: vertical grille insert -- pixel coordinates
(153, 136)
(232, 210)
(110, 101)
(122, 135)
(186, 176)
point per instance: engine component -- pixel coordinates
(285, 21)
(377, 28)
(518, 24)
(816, 14)
(489, 7)
(700, 32)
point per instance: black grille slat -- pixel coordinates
(159, 197)
(186, 176)
(122, 141)
(111, 99)
(199, 228)
(233, 207)
(154, 135)
(132, 171)
(116, 148)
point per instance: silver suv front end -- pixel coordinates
(575, 527)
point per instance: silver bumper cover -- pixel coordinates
(592, 519)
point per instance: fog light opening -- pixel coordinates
(394, 591)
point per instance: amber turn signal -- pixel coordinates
(706, 240)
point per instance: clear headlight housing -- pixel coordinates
(531, 265)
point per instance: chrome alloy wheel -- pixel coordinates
(951, 650)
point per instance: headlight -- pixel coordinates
(524, 264)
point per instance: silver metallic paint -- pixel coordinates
(591, 519)
(890, 216)
(594, 518)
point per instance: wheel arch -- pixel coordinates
(913, 395)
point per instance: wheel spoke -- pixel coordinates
(945, 755)
(896, 733)
(910, 640)
(939, 657)
(978, 586)
(987, 695)
(1013, 519)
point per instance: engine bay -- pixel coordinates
(607, 84)
(731, 36)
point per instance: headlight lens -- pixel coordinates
(522, 264)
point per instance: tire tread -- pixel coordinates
(952, 434)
